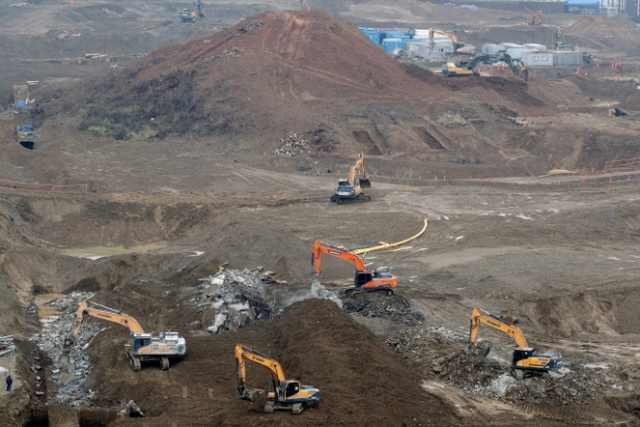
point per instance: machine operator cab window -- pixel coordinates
(362, 277)
(141, 341)
(383, 272)
(520, 354)
(292, 388)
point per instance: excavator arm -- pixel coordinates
(101, 312)
(477, 318)
(319, 249)
(243, 354)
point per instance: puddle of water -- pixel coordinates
(97, 252)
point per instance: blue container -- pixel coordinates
(391, 44)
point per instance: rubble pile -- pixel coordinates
(377, 304)
(6, 345)
(444, 354)
(231, 298)
(292, 144)
(69, 365)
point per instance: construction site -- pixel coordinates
(241, 214)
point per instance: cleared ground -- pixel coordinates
(558, 252)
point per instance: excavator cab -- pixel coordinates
(362, 278)
(521, 354)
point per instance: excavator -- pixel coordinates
(380, 280)
(526, 361)
(144, 346)
(466, 67)
(192, 15)
(536, 18)
(287, 395)
(350, 189)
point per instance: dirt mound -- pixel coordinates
(278, 73)
(361, 380)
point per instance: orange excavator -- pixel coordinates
(365, 280)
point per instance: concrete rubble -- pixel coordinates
(69, 365)
(6, 345)
(230, 299)
(444, 354)
(293, 144)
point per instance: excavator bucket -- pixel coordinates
(250, 394)
(481, 349)
(365, 183)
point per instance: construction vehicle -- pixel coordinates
(350, 189)
(144, 346)
(380, 280)
(536, 18)
(287, 395)
(525, 360)
(466, 67)
(192, 14)
(458, 47)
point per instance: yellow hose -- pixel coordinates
(383, 245)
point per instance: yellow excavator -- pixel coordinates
(350, 189)
(144, 346)
(287, 395)
(525, 361)
(365, 280)
(192, 15)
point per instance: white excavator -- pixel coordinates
(144, 346)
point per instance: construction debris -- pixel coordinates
(69, 366)
(231, 298)
(293, 144)
(6, 345)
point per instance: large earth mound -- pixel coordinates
(276, 73)
(361, 380)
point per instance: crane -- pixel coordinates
(365, 280)
(525, 361)
(287, 394)
(144, 346)
(351, 188)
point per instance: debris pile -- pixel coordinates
(69, 365)
(444, 354)
(394, 307)
(6, 345)
(292, 144)
(230, 299)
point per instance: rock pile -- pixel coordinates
(292, 144)
(394, 307)
(69, 365)
(229, 299)
(444, 354)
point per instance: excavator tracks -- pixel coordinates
(134, 362)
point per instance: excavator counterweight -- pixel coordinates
(524, 358)
(287, 394)
(365, 280)
(144, 346)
